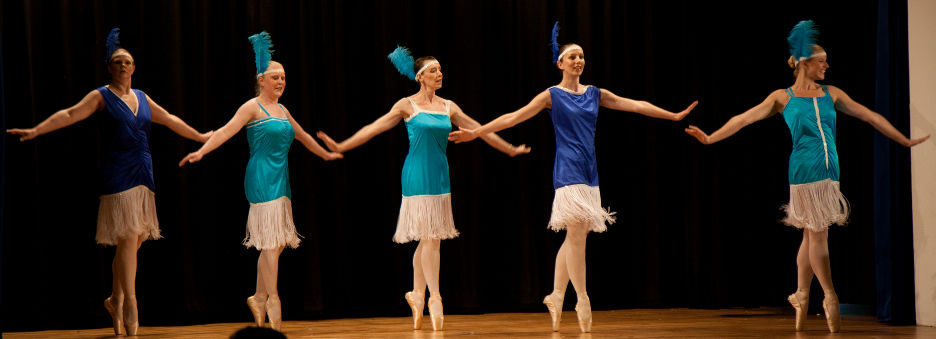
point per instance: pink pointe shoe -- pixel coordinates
(435, 312)
(583, 311)
(116, 319)
(416, 303)
(554, 304)
(802, 307)
(258, 309)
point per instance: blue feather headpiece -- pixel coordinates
(555, 42)
(262, 53)
(403, 61)
(802, 39)
(112, 43)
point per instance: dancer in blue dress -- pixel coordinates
(816, 202)
(127, 212)
(426, 210)
(270, 132)
(577, 204)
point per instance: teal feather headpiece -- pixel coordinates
(262, 53)
(112, 43)
(403, 61)
(802, 39)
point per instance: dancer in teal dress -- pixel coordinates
(426, 210)
(816, 202)
(270, 132)
(127, 209)
(577, 204)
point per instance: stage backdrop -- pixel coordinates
(697, 225)
(923, 122)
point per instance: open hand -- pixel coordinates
(203, 138)
(329, 142)
(917, 141)
(462, 135)
(517, 150)
(685, 112)
(190, 158)
(332, 156)
(24, 133)
(698, 134)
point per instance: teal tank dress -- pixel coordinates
(426, 210)
(816, 202)
(266, 183)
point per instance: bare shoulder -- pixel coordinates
(250, 110)
(402, 107)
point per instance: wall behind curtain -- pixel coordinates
(697, 225)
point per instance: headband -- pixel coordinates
(421, 69)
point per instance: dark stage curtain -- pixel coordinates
(893, 224)
(697, 225)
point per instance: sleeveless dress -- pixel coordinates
(815, 199)
(266, 183)
(575, 172)
(426, 209)
(127, 203)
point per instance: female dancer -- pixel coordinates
(270, 132)
(815, 199)
(426, 210)
(577, 204)
(127, 212)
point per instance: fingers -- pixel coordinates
(692, 106)
(914, 142)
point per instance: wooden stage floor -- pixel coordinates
(635, 323)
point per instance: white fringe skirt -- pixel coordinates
(270, 225)
(816, 206)
(425, 217)
(130, 213)
(579, 203)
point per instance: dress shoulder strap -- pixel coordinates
(264, 109)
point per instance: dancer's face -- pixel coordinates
(573, 62)
(121, 66)
(431, 77)
(816, 67)
(273, 81)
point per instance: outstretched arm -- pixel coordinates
(540, 102)
(244, 114)
(612, 101)
(382, 124)
(80, 111)
(310, 143)
(462, 120)
(848, 106)
(163, 117)
(736, 123)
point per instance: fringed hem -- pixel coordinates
(270, 225)
(425, 217)
(579, 203)
(130, 213)
(816, 206)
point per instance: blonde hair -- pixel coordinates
(792, 62)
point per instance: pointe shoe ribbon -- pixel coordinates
(801, 307)
(274, 312)
(116, 319)
(583, 311)
(435, 313)
(833, 315)
(416, 303)
(258, 309)
(554, 304)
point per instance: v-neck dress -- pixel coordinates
(127, 203)
(816, 202)
(426, 209)
(575, 170)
